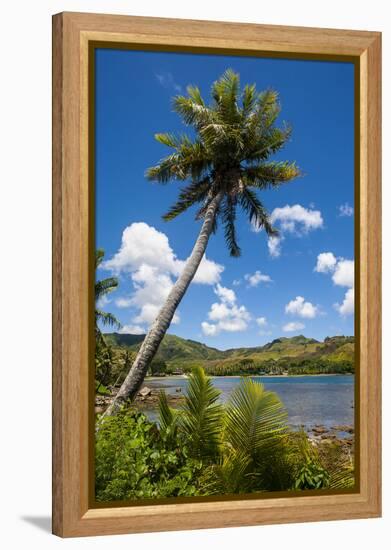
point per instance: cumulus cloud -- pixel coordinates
(347, 306)
(345, 210)
(293, 327)
(146, 256)
(226, 315)
(226, 295)
(342, 274)
(295, 220)
(131, 329)
(262, 323)
(300, 307)
(326, 262)
(103, 301)
(256, 278)
(274, 246)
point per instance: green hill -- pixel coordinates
(283, 355)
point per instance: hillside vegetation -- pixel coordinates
(296, 355)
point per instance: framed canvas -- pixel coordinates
(216, 274)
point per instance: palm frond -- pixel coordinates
(225, 93)
(257, 214)
(190, 159)
(195, 192)
(268, 107)
(169, 139)
(99, 255)
(249, 98)
(192, 112)
(271, 174)
(107, 318)
(255, 419)
(195, 95)
(169, 168)
(201, 415)
(168, 419)
(230, 475)
(104, 286)
(260, 143)
(228, 216)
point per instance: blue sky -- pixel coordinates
(302, 284)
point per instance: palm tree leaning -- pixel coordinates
(224, 165)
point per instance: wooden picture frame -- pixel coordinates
(73, 35)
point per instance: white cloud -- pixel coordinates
(236, 282)
(131, 329)
(167, 80)
(345, 210)
(226, 295)
(295, 220)
(274, 246)
(123, 302)
(347, 306)
(293, 327)
(146, 255)
(262, 323)
(103, 301)
(326, 262)
(226, 315)
(256, 278)
(344, 273)
(208, 329)
(300, 307)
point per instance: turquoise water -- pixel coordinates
(309, 400)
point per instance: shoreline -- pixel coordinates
(185, 377)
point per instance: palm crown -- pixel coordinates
(228, 158)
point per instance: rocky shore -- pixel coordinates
(339, 435)
(319, 434)
(147, 398)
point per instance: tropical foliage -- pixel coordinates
(206, 448)
(102, 288)
(104, 354)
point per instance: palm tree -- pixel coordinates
(224, 165)
(102, 288)
(103, 352)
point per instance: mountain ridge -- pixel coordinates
(281, 354)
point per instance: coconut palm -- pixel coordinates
(102, 288)
(103, 352)
(224, 166)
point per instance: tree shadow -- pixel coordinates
(44, 523)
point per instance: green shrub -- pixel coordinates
(205, 448)
(133, 461)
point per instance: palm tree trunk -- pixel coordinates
(149, 347)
